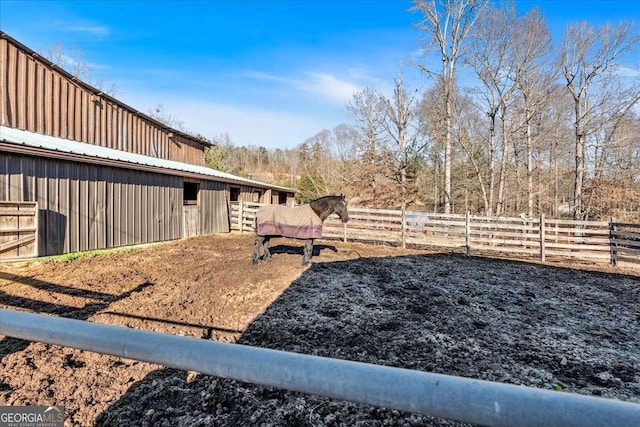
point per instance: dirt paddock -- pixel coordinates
(571, 329)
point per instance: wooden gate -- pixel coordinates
(191, 225)
(18, 230)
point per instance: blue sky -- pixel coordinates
(268, 73)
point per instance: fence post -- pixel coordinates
(240, 215)
(612, 242)
(467, 232)
(36, 224)
(344, 238)
(542, 237)
(404, 226)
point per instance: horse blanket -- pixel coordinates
(299, 222)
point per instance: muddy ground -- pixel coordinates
(549, 326)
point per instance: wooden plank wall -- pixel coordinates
(18, 230)
(40, 98)
(191, 220)
(248, 194)
(86, 207)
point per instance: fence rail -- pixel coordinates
(543, 238)
(456, 398)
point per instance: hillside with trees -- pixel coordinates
(542, 128)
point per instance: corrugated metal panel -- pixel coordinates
(35, 140)
(87, 207)
(214, 209)
(40, 97)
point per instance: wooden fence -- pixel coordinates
(18, 230)
(559, 239)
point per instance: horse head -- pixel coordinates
(340, 208)
(325, 206)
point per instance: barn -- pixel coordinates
(80, 170)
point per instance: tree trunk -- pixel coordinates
(529, 167)
(449, 82)
(578, 209)
(492, 163)
(505, 162)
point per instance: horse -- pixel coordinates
(301, 222)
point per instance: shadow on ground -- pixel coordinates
(98, 302)
(299, 250)
(507, 321)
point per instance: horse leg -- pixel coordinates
(265, 245)
(308, 251)
(256, 248)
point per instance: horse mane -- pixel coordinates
(320, 199)
(322, 205)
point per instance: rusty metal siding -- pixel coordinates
(39, 97)
(86, 207)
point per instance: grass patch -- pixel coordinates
(77, 255)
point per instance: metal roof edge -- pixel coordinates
(80, 151)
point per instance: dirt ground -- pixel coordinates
(548, 326)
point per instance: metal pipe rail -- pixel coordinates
(455, 398)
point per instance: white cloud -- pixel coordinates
(330, 87)
(246, 125)
(625, 71)
(260, 75)
(249, 125)
(98, 30)
(81, 26)
(326, 86)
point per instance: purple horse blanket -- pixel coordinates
(299, 222)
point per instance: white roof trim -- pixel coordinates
(46, 142)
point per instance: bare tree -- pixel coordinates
(327, 160)
(554, 150)
(432, 130)
(473, 141)
(534, 77)
(400, 129)
(588, 60)
(447, 24)
(491, 58)
(78, 64)
(366, 109)
(160, 114)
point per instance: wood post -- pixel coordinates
(612, 242)
(241, 215)
(542, 237)
(345, 232)
(467, 232)
(404, 226)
